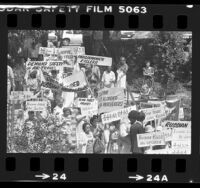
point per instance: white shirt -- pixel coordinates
(108, 78)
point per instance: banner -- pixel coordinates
(176, 124)
(75, 81)
(88, 107)
(110, 99)
(36, 105)
(21, 95)
(117, 114)
(154, 113)
(150, 139)
(94, 60)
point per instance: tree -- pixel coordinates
(169, 57)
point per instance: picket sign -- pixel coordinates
(67, 50)
(181, 141)
(88, 106)
(177, 124)
(36, 105)
(150, 139)
(153, 113)
(45, 65)
(94, 60)
(21, 95)
(110, 99)
(117, 114)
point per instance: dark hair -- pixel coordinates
(94, 117)
(141, 116)
(133, 116)
(30, 112)
(65, 109)
(84, 126)
(54, 72)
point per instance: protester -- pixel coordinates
(108, 78)
(121, 73)
(33, 82)
(136, 128)
(89, 139)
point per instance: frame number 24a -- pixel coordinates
(150, 178)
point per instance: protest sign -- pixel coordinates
(71, 50)
(88, 107)
(144, 105)
(154, 113)
(21, 95)
(76, 80)
(176, 124)
(45, 65)
(47, 51)
(94, 60)
(117, 114)
(36, 105)
(156, 102)
(150, 139)
(181, 141)
(110, 99)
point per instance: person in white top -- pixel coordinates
(121, 73)
(108, 78)
(58, 110)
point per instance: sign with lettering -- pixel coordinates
(110, 99)
(150, 139)
(117, 114)
(94, 60)
(154, 113)
(36, 105)
(177, 124)
(88, 107)
(21, 95)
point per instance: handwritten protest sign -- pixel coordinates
(156, 102)
(110, 99)
(44, 65)
(94, 60)
(117, 114)
(154, 113)
(72, 50)
(150, 139)
(21, 95)
(75, 81)
(88, 106)
(181, 141)
(67, 50)
(176, 124)
(48, 51)
(36, 105)
(144, 105)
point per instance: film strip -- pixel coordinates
(98, 36)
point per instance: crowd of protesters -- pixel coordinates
(60, 128)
